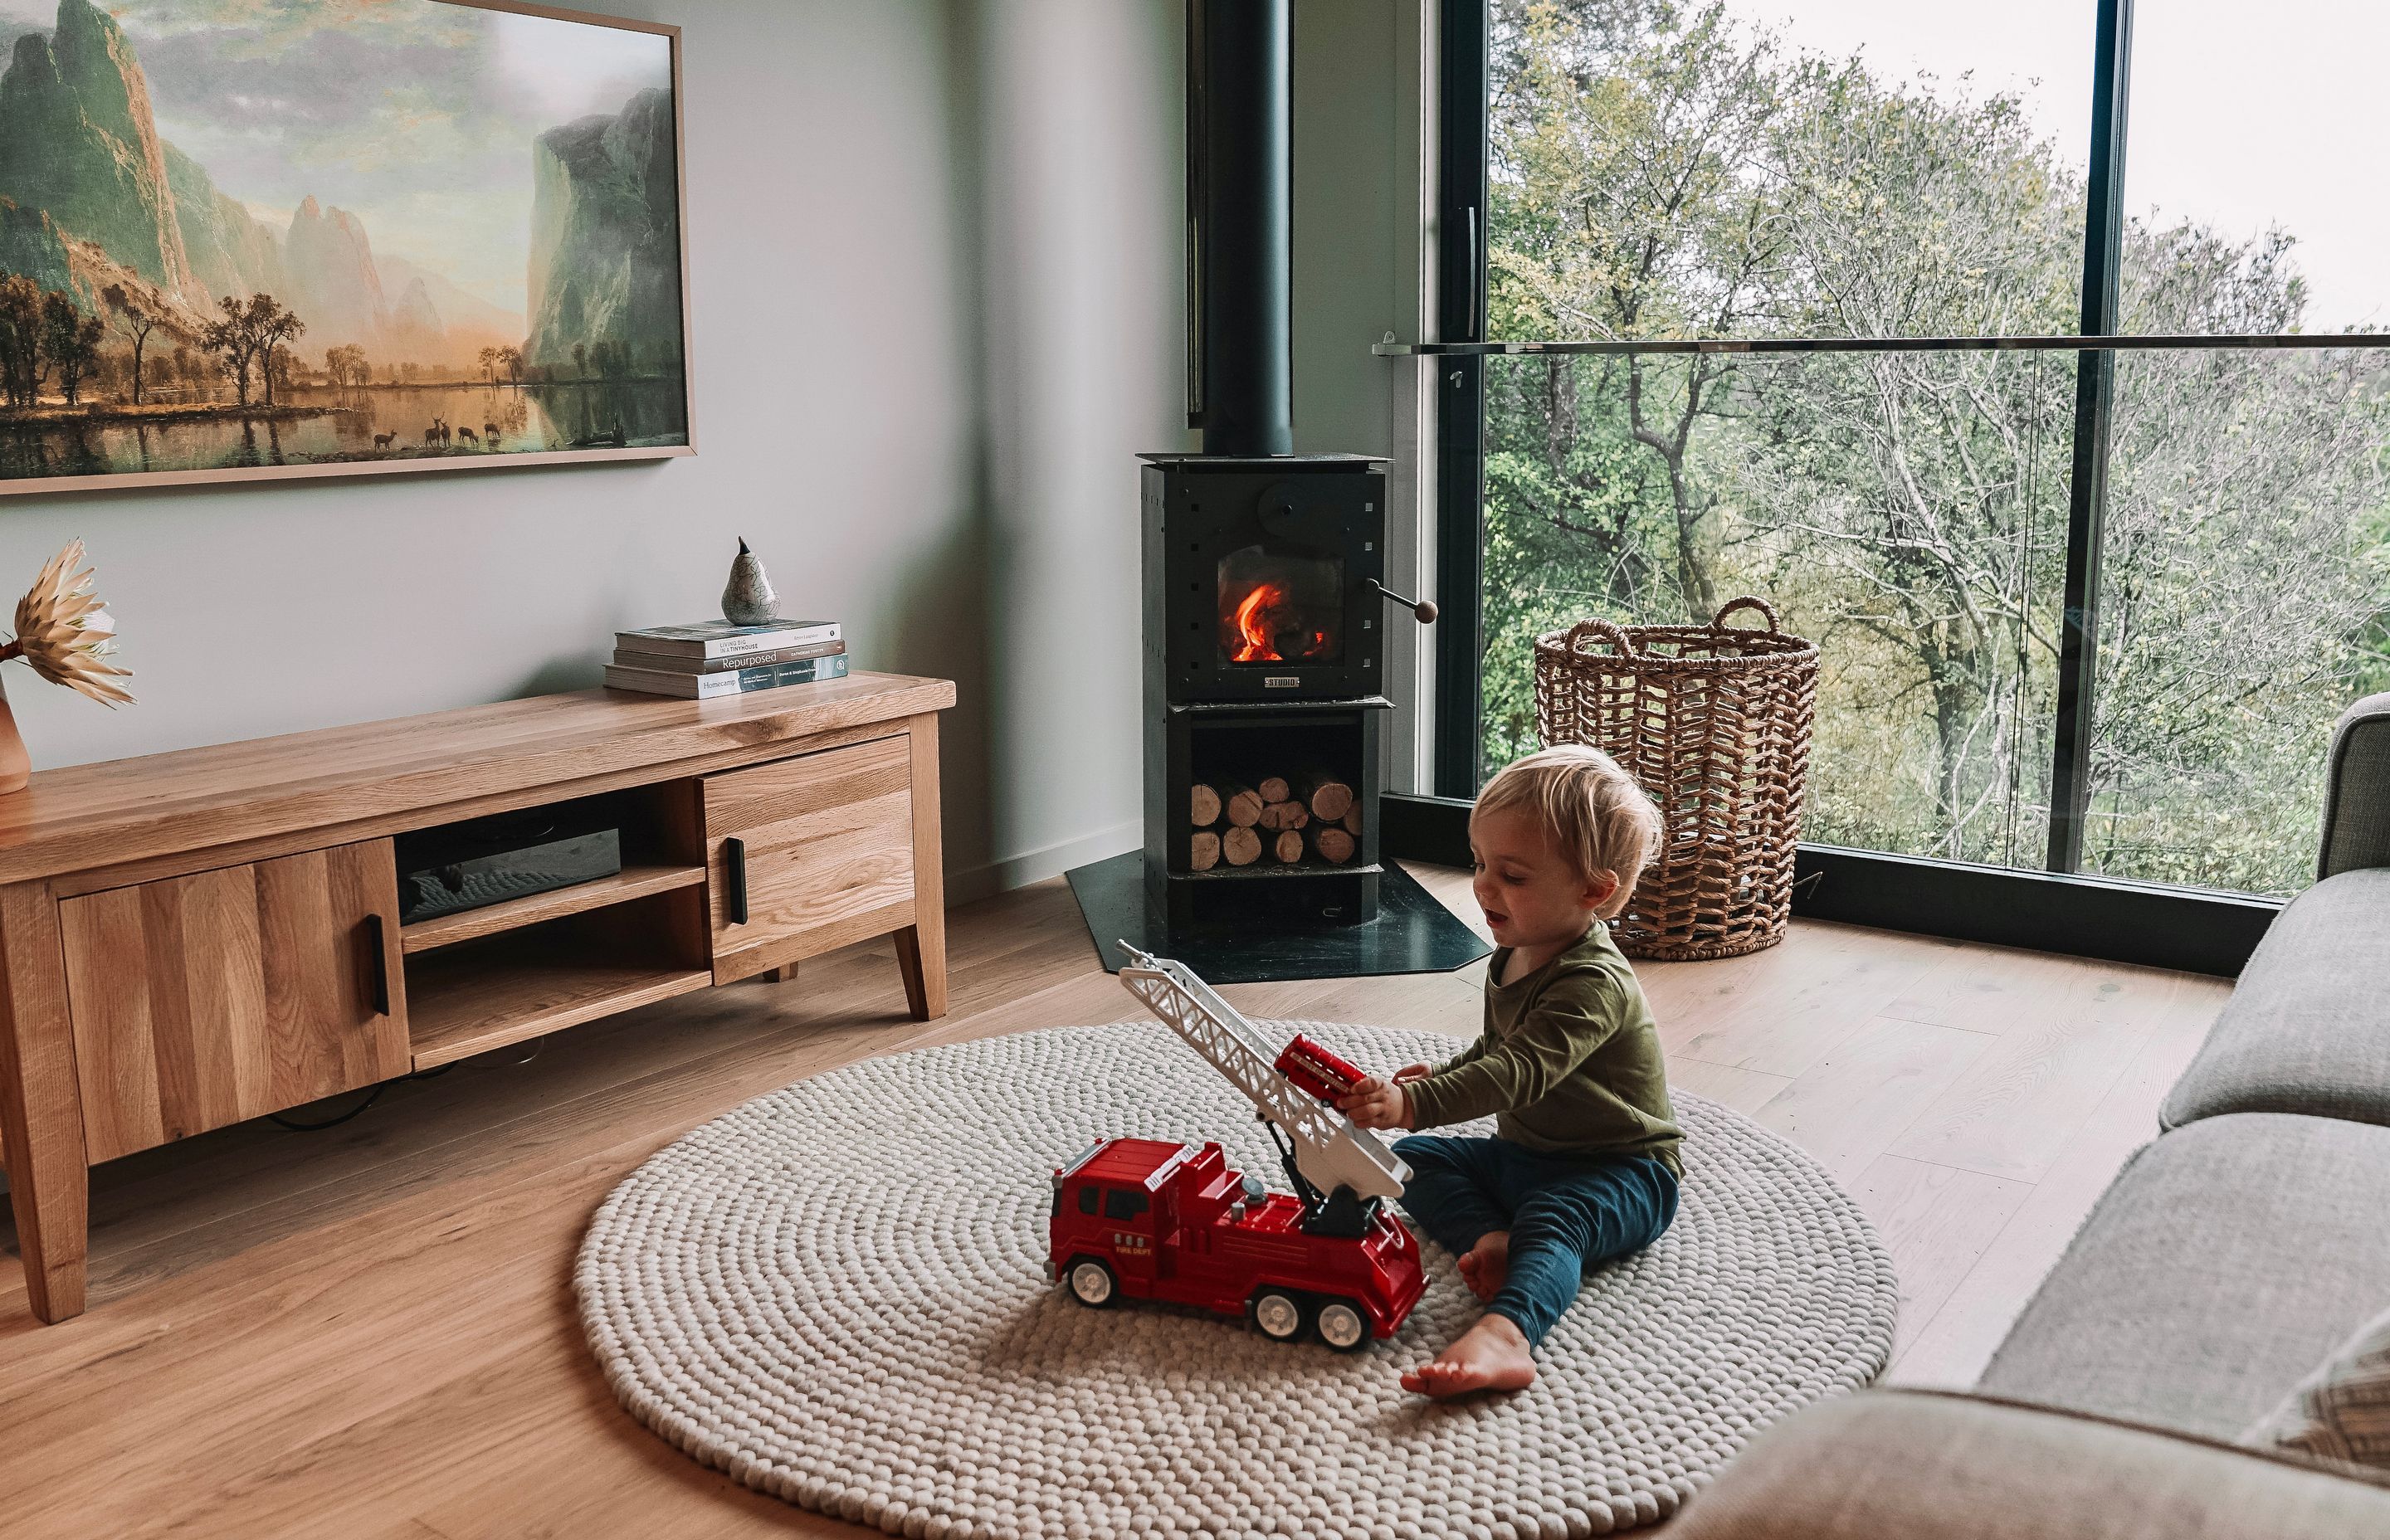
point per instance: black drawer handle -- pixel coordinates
(378, 940)
(734, 864)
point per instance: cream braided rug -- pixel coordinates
(837, 1294)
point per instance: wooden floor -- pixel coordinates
(368, 1331)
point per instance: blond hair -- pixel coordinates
(1603, 823)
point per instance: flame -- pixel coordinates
(1253, 625)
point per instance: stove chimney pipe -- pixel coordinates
(1240, 225)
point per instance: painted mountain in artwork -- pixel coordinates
(605, 256)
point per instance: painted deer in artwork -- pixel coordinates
(469, 435)
(383, 441)
(490, 431)
(431, 434)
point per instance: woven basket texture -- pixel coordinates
(1713, 721)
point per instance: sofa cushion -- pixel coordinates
(1906, 1465)
(2306, 1030)
(2227, 1262)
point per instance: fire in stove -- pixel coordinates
(1277, 607)
(1267, 618)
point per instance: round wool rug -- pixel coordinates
(837, 1294)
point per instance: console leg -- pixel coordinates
(921, 958)
(921, 947)
(40, 1108)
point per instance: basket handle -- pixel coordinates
(1605, 631)
(1746, 602)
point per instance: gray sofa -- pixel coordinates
(2225, 1262)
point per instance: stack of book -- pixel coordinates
(717, 658)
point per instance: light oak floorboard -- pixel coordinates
(1744, 1090)
(1937, 1221)
(369, 1330)
(1781, 1010)
(2018, 1105)
(1849, 1106)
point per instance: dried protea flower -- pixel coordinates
(65, 634)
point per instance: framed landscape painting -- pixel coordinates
(335, 237)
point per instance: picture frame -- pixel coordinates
(458, 143)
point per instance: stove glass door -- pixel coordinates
(1279, 608)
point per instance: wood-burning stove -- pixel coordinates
(1264, 658)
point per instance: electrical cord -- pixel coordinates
(373, 1094)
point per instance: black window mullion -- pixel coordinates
(2095, 385)
(1463, 107)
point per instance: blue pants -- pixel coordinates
(1564, 1213)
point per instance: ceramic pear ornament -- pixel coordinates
(748, 598)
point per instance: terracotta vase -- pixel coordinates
(16, 766)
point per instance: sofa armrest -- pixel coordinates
(1904, 1465)
(2357, 790)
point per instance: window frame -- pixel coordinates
(2058, 908)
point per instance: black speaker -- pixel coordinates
(482, 861)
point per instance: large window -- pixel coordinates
(2082, 609)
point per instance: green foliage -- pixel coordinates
(1667, 170)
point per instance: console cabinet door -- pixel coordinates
(202, 1000)
(821, 847)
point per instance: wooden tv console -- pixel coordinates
(189, 940)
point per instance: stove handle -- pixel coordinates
(1421, 611)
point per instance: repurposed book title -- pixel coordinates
(714, 658)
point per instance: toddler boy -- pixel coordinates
(1581, 1167)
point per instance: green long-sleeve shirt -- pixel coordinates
(1569, 1062)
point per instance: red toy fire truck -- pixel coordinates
(1150, 1219)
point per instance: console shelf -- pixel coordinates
(469, 1001)
(514, 913)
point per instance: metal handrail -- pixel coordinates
(2127, 342)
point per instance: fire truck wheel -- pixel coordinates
(1343, 1327)
(1092, 1283)
(1281, 1314)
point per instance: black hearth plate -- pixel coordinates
(1413, 933)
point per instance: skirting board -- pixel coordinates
(991, 877)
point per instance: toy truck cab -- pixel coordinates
(1113, 1205)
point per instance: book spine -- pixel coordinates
(728, 647)
(739, 681)
(704, 686)
(671, 663)
(741, 647)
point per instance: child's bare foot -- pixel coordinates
(1486, 1265)
(1491, 1355)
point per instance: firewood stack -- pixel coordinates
(1310, 819)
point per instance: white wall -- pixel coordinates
(1078, 106)
(1358, 199)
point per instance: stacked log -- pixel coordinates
(1284, 816)
(1311, 816)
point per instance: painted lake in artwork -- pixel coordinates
(349, 424)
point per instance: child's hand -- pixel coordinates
(1377, 1103)
(1409, 1072)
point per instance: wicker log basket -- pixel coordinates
(1713, 721)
